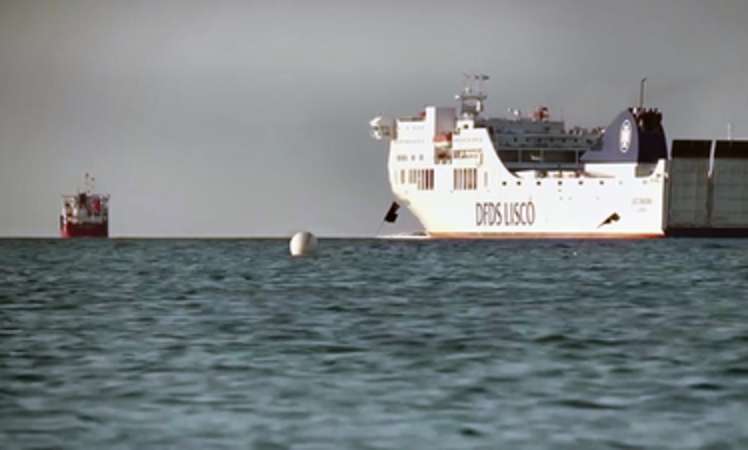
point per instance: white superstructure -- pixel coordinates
(445, 167)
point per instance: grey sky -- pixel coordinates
(218, 118)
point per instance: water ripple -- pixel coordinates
(373, 344)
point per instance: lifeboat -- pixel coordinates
(443, 140)
(541, 114)
(442, 146)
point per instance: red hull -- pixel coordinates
(95, 230)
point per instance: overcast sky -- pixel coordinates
(249, 118)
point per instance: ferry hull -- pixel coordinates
(93, 230)
(548, 208)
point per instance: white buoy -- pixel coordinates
(303, 243)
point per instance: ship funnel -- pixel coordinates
(636, 135)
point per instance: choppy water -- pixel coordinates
(374, 344)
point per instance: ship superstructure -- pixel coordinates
(536, 141)
(86, 213)
(448, 168)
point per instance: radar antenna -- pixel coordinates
(472, 100)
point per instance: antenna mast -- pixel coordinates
(89, 183)
(471, 101)
(642, 87)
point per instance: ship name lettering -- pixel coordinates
(505, 214)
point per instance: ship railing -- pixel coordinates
(90, 219)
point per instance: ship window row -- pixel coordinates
(540, 140)
(561, 183)
(422, 178)
(465, 179)
(539, 156)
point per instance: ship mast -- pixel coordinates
(89, 183)
(472, 100)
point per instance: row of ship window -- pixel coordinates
(422, 178)
(546, 139)
(412, 157)
(559, 182)
(529, 155)
(463, 179)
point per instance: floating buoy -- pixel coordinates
(303, 243)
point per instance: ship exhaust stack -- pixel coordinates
(635, 136)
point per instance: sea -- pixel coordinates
(374, 344)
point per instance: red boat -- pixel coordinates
(85, 214)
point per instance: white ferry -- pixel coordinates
(466, 176)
